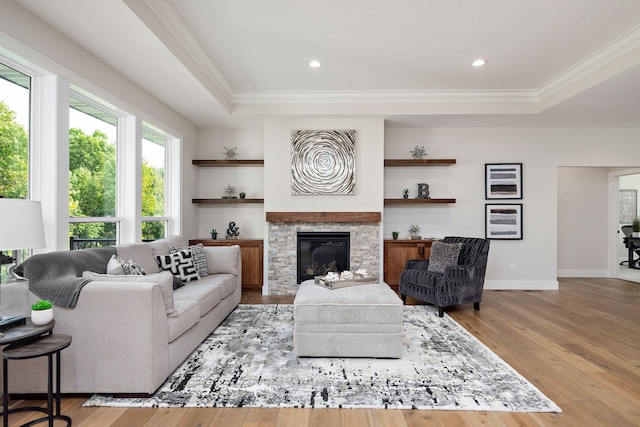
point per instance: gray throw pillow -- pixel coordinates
(443, 255)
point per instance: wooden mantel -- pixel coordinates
(302, 217)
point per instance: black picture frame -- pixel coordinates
(503, 221)
(503, 181)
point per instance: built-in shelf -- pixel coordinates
(228, 163)
(416, 201)
(223, 201)
(419, 162)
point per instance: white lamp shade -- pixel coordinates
(21, 225)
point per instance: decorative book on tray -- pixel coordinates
(345, 279)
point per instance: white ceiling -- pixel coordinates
(229, 63)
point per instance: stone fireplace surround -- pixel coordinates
(282, 228)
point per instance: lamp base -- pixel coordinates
(11, 322)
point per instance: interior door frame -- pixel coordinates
(614, 208)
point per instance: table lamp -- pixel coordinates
(21, 227)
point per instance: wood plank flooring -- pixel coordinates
(580, 346)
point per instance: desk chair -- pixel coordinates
(631, 247)
(626, 231)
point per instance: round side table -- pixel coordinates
(47, 345)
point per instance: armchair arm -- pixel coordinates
(418, 264)
(459, 273)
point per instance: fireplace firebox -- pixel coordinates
(321, 252)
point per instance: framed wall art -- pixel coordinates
(503, 181)
(503, 221)
(323, 162)
(628, 206)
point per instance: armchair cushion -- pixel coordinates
(443, 255)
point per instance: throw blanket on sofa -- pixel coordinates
(57, 276)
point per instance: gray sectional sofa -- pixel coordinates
(130, 333)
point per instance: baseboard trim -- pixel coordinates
(583, 273)
(522, 285)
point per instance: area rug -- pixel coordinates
(249, 361)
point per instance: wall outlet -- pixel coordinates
(512, 267)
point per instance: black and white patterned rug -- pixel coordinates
(249, 361)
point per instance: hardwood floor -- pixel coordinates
(580, 346)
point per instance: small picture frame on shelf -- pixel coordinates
(503, 181)
(503, 221)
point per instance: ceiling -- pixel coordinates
(233, 63)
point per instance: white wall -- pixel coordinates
(542, 152)
(583, 221)
(369, 162)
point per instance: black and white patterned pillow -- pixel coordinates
(443, 255)
(179, 264)
(119, 265)
(199, 258)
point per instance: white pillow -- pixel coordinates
(164, 279)
(117, 265)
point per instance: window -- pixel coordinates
(14, 142)
(154, 155)
(92, 174)
(14, 133)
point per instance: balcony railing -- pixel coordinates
(82, 243)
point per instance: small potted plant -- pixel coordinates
(395, 235)
(242, 194)
(42, 312)
(214, 233)
(635, 227)
(413, 231)
(405, 193)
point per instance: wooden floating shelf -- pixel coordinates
(226, 201)
(416, 201)
(419, 162)
(326, 217)
(229, 163)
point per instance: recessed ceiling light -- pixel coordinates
(478, 62)
(315, 64)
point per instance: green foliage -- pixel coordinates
(14, 156)
(43, 304)
(92, 178)
(636, 225)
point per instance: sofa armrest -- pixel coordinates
(419, 264)
(118, 327)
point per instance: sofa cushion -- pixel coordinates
(180, 264)
(199, 258)
(208, 295)
(164, 279)
(443, 255)
(222, 260)
(188, 315)
(140, 253)
(226, 282)
(161, 246)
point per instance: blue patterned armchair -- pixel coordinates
(459, 283)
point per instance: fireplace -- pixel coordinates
(321, 252)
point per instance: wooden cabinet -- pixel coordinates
(251, 251)
(396, 255)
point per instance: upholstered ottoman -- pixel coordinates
(357, 321)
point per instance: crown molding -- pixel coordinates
(599, 66)
(163, 20)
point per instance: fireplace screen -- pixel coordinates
(321, 252)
